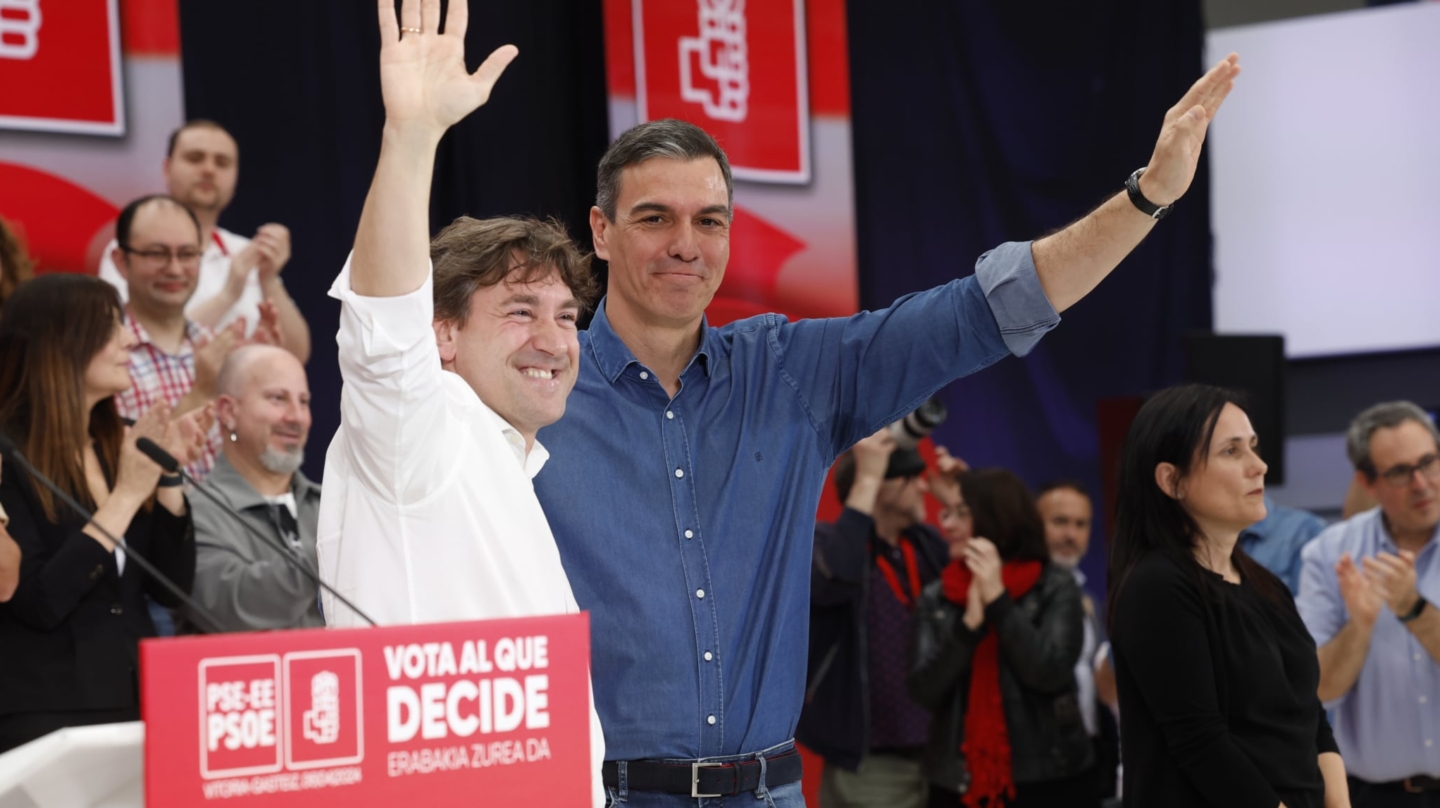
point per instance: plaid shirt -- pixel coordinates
(157, 376)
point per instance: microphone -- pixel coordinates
(167, 461)
(12, 453)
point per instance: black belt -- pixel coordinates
(1418, 784)
(701, 779)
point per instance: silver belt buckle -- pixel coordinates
(695, 778)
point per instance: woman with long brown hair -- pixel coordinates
(71, 632)
(14, 261)
(996, 640)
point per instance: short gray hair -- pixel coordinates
(670, 138)
(1382, 416)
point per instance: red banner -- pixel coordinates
(494, 711)
(60, 66)
(736, 69)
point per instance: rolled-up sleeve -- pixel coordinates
(392, 404)
(1012, 288)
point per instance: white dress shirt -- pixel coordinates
(429, 512)
(214, 272)
(1085, 665)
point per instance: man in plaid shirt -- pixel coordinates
(175, 359)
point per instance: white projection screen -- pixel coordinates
(1326, 170)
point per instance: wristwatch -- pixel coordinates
(1132, 187)
(1415, 611)
(170, 481)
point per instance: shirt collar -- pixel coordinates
(226, 481)
(193, 330)
(612, 355)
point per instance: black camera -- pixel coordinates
(913, 428)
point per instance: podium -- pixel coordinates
(79, 767)
(489, 712)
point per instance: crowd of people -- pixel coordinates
(965, 662)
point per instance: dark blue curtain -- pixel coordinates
(981, 122)
(297, 83)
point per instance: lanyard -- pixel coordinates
(912, 571)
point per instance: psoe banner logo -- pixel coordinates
(19, 29)
(60, 66)
(735, 68)
(323, 709)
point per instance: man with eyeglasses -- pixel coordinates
(174, 359)
(237, 274)
(1367, 592)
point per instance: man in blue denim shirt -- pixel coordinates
(686, 472)
(1275, 542)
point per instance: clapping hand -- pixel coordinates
(1393, 579)
(272, 242)
(1361, 600)
(422, 70)
(1177, 151)
(984, 562)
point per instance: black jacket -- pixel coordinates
(1040, 639)
(69, 638)
(835, 722)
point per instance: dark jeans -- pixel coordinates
(1070, 792)
(22, 728)
(1367, 795)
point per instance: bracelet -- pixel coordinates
(170, 481)
(1415, 611)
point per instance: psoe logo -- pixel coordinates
(19, 29)
(322, 720)
(323, 709)
(721, 55)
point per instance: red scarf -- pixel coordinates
(986, 745)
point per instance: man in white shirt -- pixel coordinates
(429, 511)
(237, 274)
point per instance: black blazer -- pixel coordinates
(69, 638)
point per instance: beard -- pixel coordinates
(282, 462)
(1066, 558)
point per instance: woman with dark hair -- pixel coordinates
(71, 631)
(996, 642)
(1217, 674)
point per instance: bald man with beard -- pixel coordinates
(263, 409)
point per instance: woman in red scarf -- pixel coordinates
(996, 642)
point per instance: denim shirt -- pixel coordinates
(685, 525)
(1388, 723)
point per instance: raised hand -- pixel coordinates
(422, 70)
(138, 474)
(1361, 599)
(210, 354)
(187, 436)
(872, 455)
(974, 615)
(1177, 152)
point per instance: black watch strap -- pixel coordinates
(1415, 611)
(170, 481)
(1132, 187)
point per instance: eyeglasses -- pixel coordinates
(161, 257)
(1399, 476)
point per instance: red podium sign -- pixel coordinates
(485, 713)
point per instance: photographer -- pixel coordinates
(868, 568)
(996, 642)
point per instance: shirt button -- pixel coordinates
(116, 610)
(711, 721)
(709, 656)
(1417, 657)
(700, 593)
(670, 415)
(679, 473)
(689, 534)
(1429, 743)
(644, 375)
